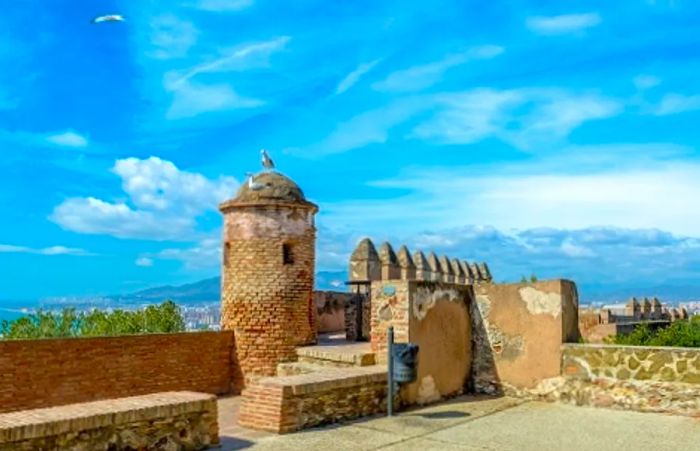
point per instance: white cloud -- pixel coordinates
(574, 250)
(420, 77)
(677, 103)
(52, 250)
(143, 261)
(532, 195)
(643, 82)
(171, 36)
(68, 138)
(222, 5)
(567, 23)
(354, 76)
(164, 203)
(205, 254)
(192, 100)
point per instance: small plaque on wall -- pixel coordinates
(389, 290)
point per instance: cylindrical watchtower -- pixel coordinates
(268, 272)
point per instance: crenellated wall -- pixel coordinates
(369, 265)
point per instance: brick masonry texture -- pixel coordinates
(171, 420)
(267, 302)
(43, 373)
(291, 403)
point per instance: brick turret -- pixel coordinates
(268, 272)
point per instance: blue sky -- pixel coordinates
(558, 138)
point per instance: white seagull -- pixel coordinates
(109, 18)
(266, 160)
(255, 186)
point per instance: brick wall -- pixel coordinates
(43, 373)
(268, 302)
(291, 403)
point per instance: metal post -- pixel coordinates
(390, 377)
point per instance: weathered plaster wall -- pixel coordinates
(330, 310)
(435, 316)
(518, 332)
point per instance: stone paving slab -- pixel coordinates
(540, 426)
(482, 424)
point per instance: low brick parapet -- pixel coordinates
(291, 403)
(183, 420)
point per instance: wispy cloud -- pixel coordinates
(52, 250)
(423, 76)
(524, 117)
(677, 103)
(567, 23)
(205, 254)
(192, 99)
(354, 76)
(643, 82)
(68, 138)
(164, 203)
(244, 57)
(222, 5)
(171, 36)
(144, 262)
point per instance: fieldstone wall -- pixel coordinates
(645, 379)
(632, 363)
(164, 421)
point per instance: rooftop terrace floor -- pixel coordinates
(480, 423)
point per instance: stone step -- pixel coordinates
(336, 356)
(294, 368)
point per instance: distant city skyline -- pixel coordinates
(554, 139)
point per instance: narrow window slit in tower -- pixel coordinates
(227, 250)
(287, 255)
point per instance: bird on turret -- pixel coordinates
(266, 160)
(253, 185)
(109, 18)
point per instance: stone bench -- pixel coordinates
(291, 403)
(167, 420)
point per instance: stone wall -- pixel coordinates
(645, 379)
(291, 403)
(330, 310)
(632, 363)
(52, 372)
(518, 333)
(435, 316)
(358, 310)
(174, 420)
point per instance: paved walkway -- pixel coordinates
(484, 424)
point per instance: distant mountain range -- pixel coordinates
(201, 292)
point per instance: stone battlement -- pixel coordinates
(369, 265)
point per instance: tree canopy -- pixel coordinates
(685, 334)
(163, 318)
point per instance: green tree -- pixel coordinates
(163, 318)
(684, 334)
(533, 278)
